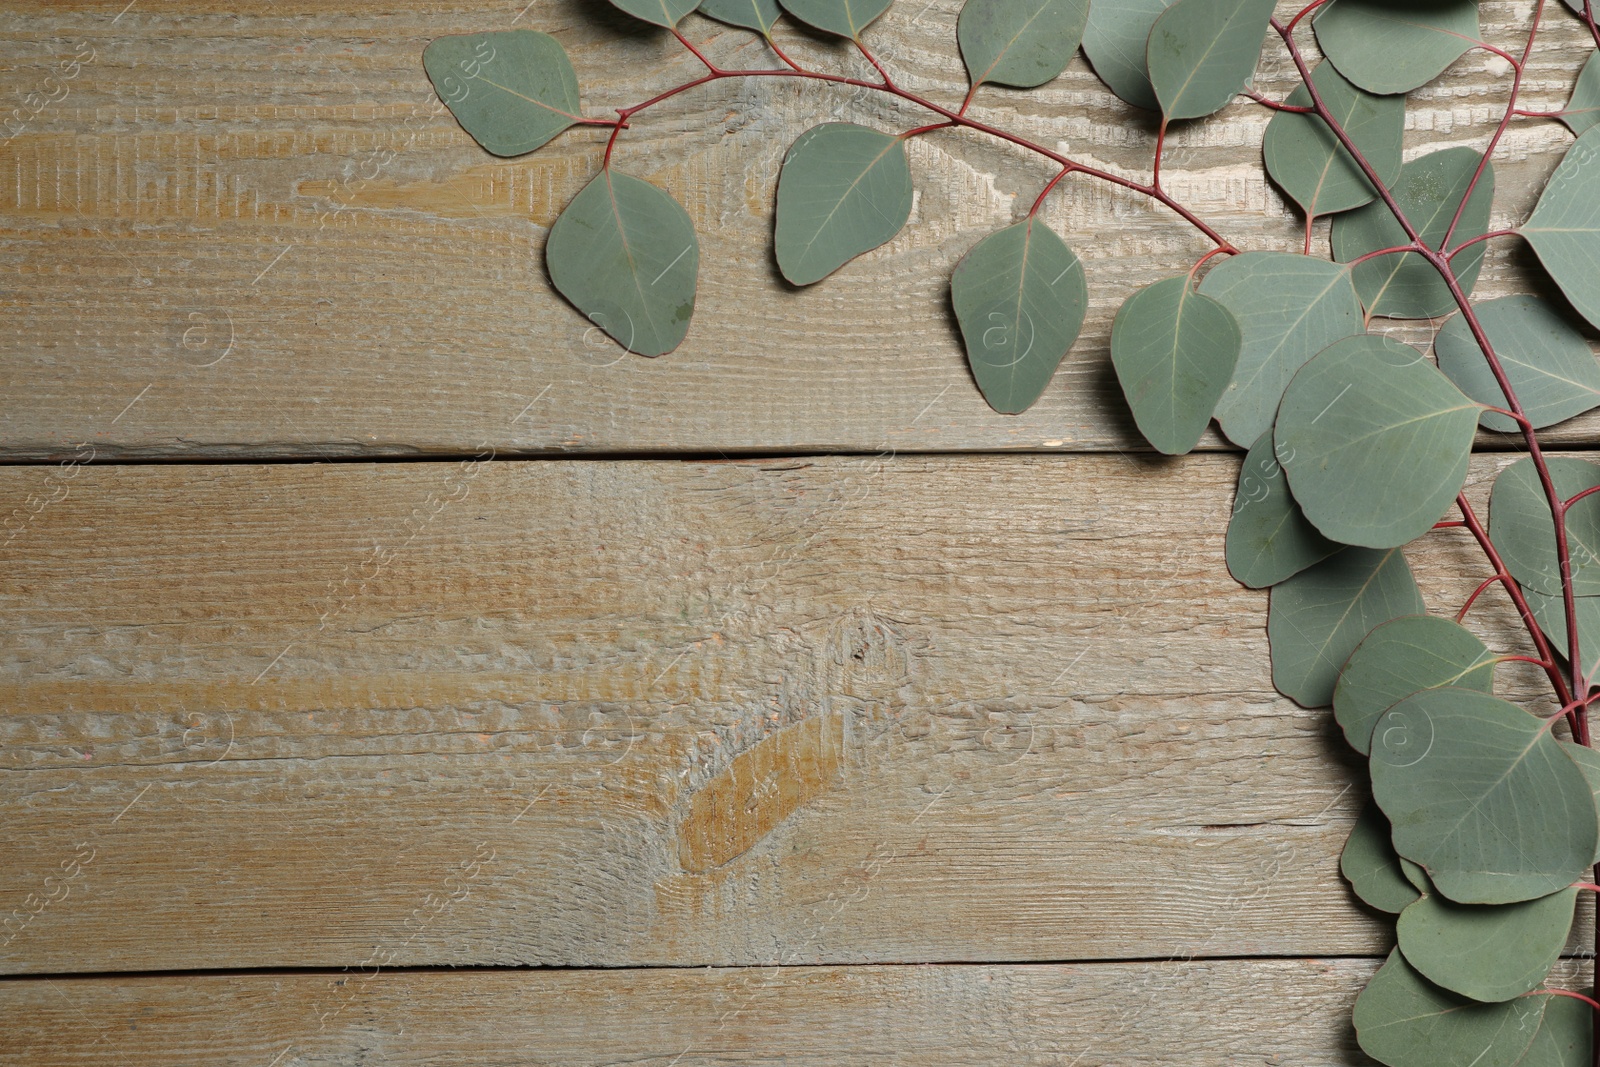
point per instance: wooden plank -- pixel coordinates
(247, 229)
(580, 713)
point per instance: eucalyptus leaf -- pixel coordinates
(1403, 657)
(758, 15)
(1550, 612)
(1020, 297)
(1388, 47)
(1404, 1020)
(843, 190)
(1430, 189)
(1489, 952)
(1375, 441)
(1583, 110)
(1479, 792)
(1115, 41)
(847, 18)
(512, 91)
(1202, 53)
(1174, 351)
(1522, 530)
(1564, 228)
(1551, 369)
(1269, 540)
(1289, 307)
(1565, 1037)
(666, 13)
(1313, 167)
(1588, 761)
(1414, 873)
(1318, 617)
(1021, 43)
(1370, 865)
(625, 253)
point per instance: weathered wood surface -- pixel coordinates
(659, 712)
(249, 229)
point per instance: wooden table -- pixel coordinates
(396, 672)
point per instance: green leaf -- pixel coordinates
(1404, 657)
(1289, 307)
(1174, 351)
(847, 18)
(1551, 369)
(1115, 41)
(1564, 228)
(512, 91)
(1019, 297)
(1388, 47)
(1588, 761)
(1307, 160)
(1479, 792)
(666, 13)
(1405, 1021)
(1565, 1036)
(1318, 617)
(1550, 612)
(1268, 538)
(1375, 441)
(1370, 865)
(1414, 874)
(1021, 43)
(1489, 952)
(1201, 53)
(758, 15)
(1583, 110)
(625, 253)
(844, 190)
(1430, 189)
(1522, 530)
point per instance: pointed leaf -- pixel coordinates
(1404, 657)
(1020, 298)
(666, 13)
(512, 91)
(1479, 792)
(1489, 952)
(1588, 761)
(1565, 226)
(625, 253)
(1386, 47)
(1405, 1021)
(1268, 538)
(1307, 160)
(1430, 189)
(1375, 441)
(1583, 110)
(1289, 307)
(847, 18)
(1174, 351)
(1202, 53)
(1115, 41)
(1022, 43)
(1370, 865)
(844, 190)
(1551, 369)
(1550, 612)
(758, 15)
(1318, 617)
(1522, 530)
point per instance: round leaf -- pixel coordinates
(1268, 538)
(512, 91)
(1583, 110)
(1174, 351)
(1387, 47)
(1430, 189)
(1115, 40)
(1201, 53)
(1564, 228)
(1020, 298)
(1522, 530)
(625, 253)
(1307, 160)
(1550, 612)
(1405, 1021)
(1565, 1036)
(758, 15)
(1489, 952)
(1404, 657)
(1318, 617)
(1022, 43)
(666, 13)
(844, 190)
(1588, 761)
(1370, 865)
(1480, 794)
(1414, 874)
(847, 18)
(1551, 369)
(1289, 307)
(1375, 441)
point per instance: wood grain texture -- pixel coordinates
(659, 712)
(251, 230)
